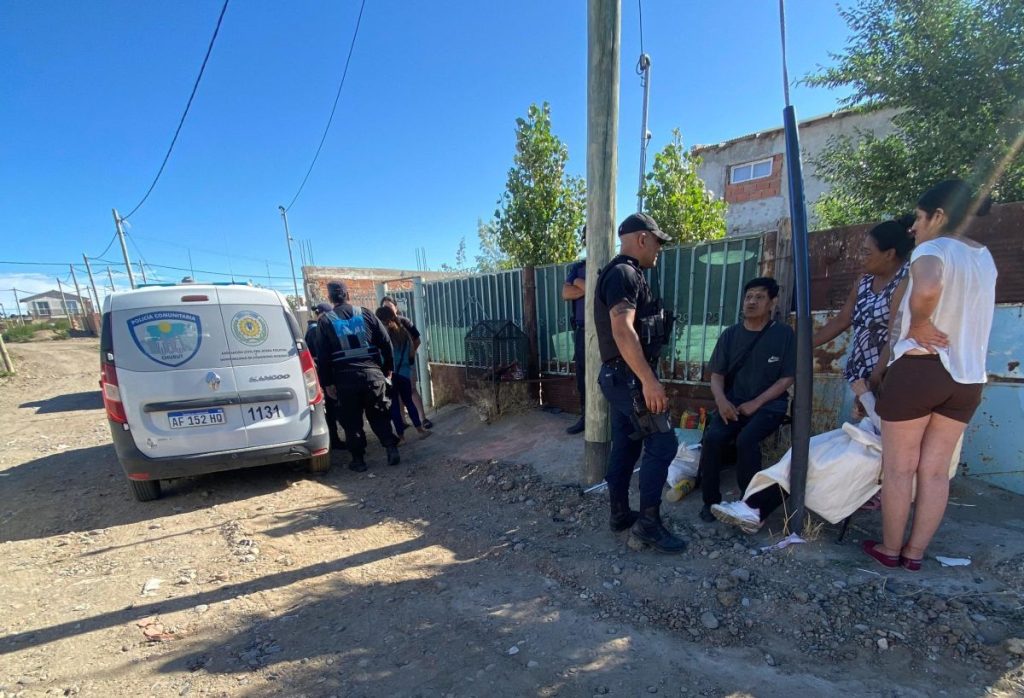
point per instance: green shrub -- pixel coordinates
(20, 333)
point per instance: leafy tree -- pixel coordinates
(491, 258)
(675, 196)
(955, 71)
(542, 209)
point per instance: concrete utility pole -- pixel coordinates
(124, 247)
(645, 135)
(291, 261)
(110, 275)
(603, 43)
(78, 294)
(17, 305)
(92, 282)
(64, 302)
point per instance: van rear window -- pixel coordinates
(162, 338)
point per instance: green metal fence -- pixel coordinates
(454, 306)
(702, 284)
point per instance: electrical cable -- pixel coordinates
(344, 73)
(205, 250)
(107, 248)
(181, 122)
(640, 67)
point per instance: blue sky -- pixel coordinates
(420, 145)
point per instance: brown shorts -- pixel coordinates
(917, 385)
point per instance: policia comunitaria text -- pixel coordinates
(353, 359)
(632, 327)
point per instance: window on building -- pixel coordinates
(72, 307)
(750, 170)
(42, 308)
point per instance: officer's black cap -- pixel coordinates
(323, 308)
(641, 222)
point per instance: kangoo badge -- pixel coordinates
(249, 328)
(170, 338)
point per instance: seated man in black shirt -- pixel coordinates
(752, 369)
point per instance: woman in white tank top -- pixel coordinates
(936, 371)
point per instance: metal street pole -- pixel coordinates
(645, 136)
(291, 261)
(603, 48)
(92, 282)
(803, 389)
(124, 247)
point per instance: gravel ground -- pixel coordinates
(445, 577)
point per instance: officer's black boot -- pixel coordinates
(578, 427)
(622, 517)
(649, 530)
(393, 457)
(357, 464)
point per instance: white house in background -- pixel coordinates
(49, 305)
(749, 171)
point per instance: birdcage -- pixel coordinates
(496, 351)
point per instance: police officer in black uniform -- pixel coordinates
(353, 358)
(313, 343)
(631, 329)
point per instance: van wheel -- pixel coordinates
(319, 464)
(145, 490)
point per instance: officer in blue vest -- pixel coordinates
(354, 360)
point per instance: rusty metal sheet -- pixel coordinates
(1006, 345)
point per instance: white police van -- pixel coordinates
(202, 378)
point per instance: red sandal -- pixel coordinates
(910, 564)
(881, 558)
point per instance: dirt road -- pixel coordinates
(441, 577)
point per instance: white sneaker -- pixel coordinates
(738, 514)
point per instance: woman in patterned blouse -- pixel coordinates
(884, 255)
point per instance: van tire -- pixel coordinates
(319, 464)
(145, 490)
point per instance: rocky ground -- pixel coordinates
(446, 577)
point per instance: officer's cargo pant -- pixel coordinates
(363, 391)
(658, 449)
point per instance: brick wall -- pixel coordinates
(756, 189)
(835, 256)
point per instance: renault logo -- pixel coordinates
(213, 380)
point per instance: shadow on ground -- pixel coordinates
(72, 402)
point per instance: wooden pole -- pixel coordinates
(8, 364)
(603, 48)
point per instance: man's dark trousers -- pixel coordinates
(747, 433)
(579, 357)
(658, 449)
(363, 390)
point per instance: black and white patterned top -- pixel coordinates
(870, 325)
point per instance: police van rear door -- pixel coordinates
(177, 386)
(261, 347)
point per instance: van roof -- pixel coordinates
(156, 295)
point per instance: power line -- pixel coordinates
(107, 248)
(195, 87)
(640, 11)
(333, 109)
(183, 246)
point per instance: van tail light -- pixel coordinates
(313, 392)
(112, 394)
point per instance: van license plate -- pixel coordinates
(196, 418)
